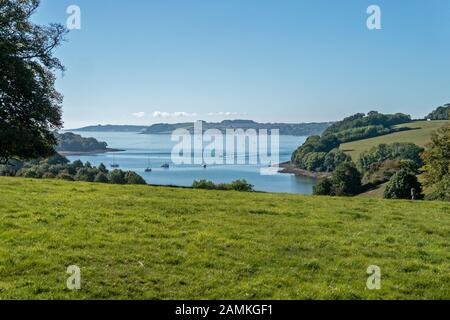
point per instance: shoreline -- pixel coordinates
(288, 167)
(89, 153)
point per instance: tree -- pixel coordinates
(441, 190)
(441, 113)
(102, 168)
(85, 174)
(323, 188)
(346, 180)
(241, 185)
(132, 177)
(437, 156)
(117, 177)
(403, 185)
(30, 106)
(101, 177)
(437, 164)
(203, 184)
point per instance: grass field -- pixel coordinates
(163, 243)
(420, 136)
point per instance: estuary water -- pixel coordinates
(142, 151)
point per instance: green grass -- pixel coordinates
(420, 136)
(162, 243)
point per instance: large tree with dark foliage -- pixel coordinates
(441, 113)
(437, 164)
(403, 185)
(30, 107)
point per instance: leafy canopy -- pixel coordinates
(437, 163)
(403, 185)
(30, 107)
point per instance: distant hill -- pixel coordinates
(111, 128)
(295, 129)
(71, 143)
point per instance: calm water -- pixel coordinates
(157, 148)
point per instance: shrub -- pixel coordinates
(334, 158)
(437, 156)
(441, 190)
(203, 184)
(401, 186)
(133, 178)
(346, 180)
(101, 178)
(117, 177)
(441, 113)
(241, 185)
(77, 164)
(102, 168)
(323, 187)
(237, 185)
(85, 174)
(57, 159)
(31, 173)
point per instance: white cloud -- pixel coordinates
(182, 114)
(139, 114)
(226, 114)
(179, 114)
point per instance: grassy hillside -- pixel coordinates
(158, 243)
(420, 136)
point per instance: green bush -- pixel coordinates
(346, 180)
(441, 113)
(237, 185)
(441, 190)
(203, 184)
(117, 177)
(401, 184)
(323, 187)
(85, 174)
(31, 173)
(241, 185)
(101, 177)
(57, 159)
(133, 178)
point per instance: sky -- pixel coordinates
(143, 62)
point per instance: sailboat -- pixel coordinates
(149, 169)
(114, 164)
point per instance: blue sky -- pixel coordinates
(143, 62)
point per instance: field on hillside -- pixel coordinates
(146, 242)
(420, 136)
